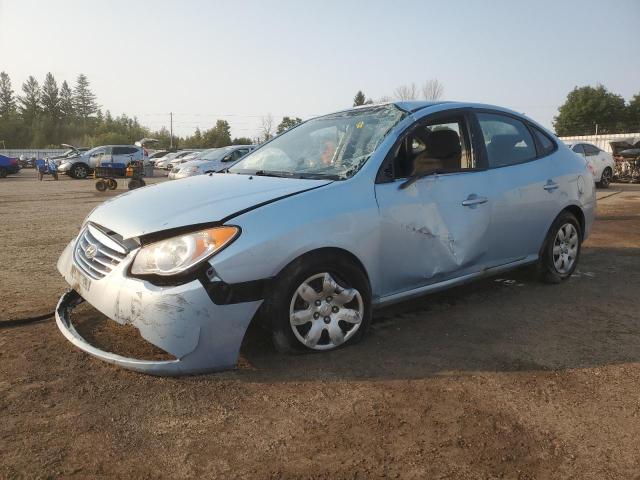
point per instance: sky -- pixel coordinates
(240, 60)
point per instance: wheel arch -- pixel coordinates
(327, 251)
(577, 212)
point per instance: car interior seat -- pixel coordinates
(443, 152)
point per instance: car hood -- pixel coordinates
(191, 201)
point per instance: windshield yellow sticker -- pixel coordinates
(360, 124)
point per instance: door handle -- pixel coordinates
(473, 199)
(550, 185)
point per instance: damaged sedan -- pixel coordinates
(314, 229)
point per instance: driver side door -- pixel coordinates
(434, 228)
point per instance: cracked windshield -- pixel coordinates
(334, 146)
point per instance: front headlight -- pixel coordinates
(178, 254)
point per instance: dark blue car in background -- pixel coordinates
(8, 166)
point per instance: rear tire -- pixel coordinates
(112, 184)
(605, 179)
(335, 312)
(3, 172)
(101, 185)
(561, 250)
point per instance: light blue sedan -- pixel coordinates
(311, 231)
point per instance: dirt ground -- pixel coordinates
(504, 378)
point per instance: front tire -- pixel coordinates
(3, 172)
(605, 179)
(562, 249)
(319, 304)
(79, 171)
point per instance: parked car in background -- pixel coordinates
(602, 163)
(8, 166)
(72, 152)
(184, 158)
(167, 159)
(157, 155)
(213, 160)
(82, 165)
(315, 228)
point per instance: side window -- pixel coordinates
(578, 148)
(545, 144)
(437, 146)
(590, 150)
(120, 150)
(507, 140)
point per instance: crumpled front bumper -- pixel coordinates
(181, 320)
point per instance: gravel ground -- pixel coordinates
(505, 377)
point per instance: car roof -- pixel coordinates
(413, 106)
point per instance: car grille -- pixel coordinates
(96, 254)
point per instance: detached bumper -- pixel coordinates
(181, 320)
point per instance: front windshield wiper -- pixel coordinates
(414, 178)
(274, 173)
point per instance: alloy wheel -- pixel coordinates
(323, 313)
(80, 172)
(565, 248)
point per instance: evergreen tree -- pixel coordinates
(50, 98)
(30, 101)
(66, 101)
(84, 101)
(359, 99)
(7, 100)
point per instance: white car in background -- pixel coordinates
(185, 158)
(164, 161)
(213, 160)
(600, 162)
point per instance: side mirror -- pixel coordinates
(228, 158)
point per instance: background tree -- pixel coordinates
(406, 92)
(50, 97)
(66, 101)
(587, 106)
(7, 100)
(218, 136)
(30, 101)
(50, 100)
(633, 114)
(266, 128)
(359, 99)
(287, 123)
(432, 89)
(241, 141)
(84, 101)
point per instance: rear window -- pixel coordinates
(545, 144)
(578, 149)
(507, 140)
(590, 149)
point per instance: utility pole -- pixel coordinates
(171, 135)
(596, 129)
